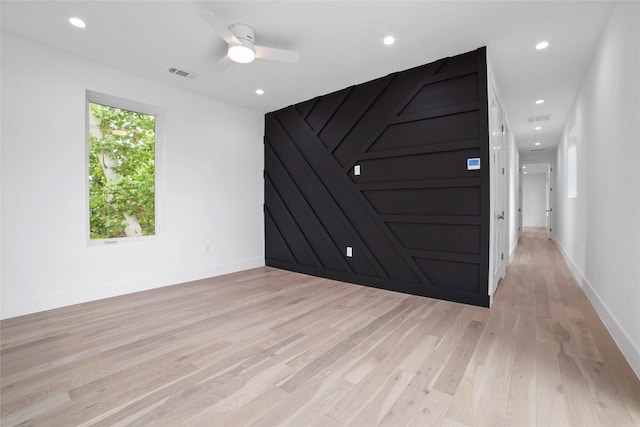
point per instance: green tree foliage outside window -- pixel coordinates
(121, 172)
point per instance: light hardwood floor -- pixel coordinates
(268, 348)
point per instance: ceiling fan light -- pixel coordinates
(241, 54)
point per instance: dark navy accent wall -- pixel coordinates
(416, 218)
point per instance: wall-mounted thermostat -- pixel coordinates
(473, 164)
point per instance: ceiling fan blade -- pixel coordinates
(223, 64)
(220, 27)
(274, 54)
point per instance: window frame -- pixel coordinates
(92, 97)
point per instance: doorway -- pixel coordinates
(499, 191)
(537, 188)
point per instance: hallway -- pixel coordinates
(268, 347)
(562, 349)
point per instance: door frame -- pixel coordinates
(499, 157)
(550, 213)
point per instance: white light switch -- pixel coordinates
(356, 170)
(349, 251)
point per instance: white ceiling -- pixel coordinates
(535, 168)
(340, 43)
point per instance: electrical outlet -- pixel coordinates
(356, 170)
(349, 251)
(207, 248)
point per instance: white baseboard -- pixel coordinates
(63, 299)
(618, 333)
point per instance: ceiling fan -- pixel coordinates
(241, 48)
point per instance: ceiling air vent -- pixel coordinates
(183, 73)
(536, 119)
(537, 149)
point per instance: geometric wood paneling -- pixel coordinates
(416, 218)
(424, 131)
(452, 238)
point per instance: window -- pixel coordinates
(122, 147)
(572, 167)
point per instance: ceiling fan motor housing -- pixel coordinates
(244, 33)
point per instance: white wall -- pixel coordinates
(212, 185)
(534, 200)
(599, 230)
(514, 195)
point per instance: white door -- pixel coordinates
(520, 178)
(549, 199)
(500, 191)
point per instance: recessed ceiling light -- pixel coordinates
(537, 128)
(77, 22)
(525, 172)
(259, 91)
(540, 101)
(524, 167)
(537, 143)
(389, 40)
(542, 45)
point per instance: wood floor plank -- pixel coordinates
(609, 404)
(411, 349)
(385, 397)
(551, 408)
(372, 413)
(455, 366)
(44, 406)
(197, 396)
(267, 347)
(326, 421)
(521, 409)
(627, 383)
(340, 348)
(330, 391)
(217, 372)
(412, 400)
(291, 405)
(243, 415)
(231, 396)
